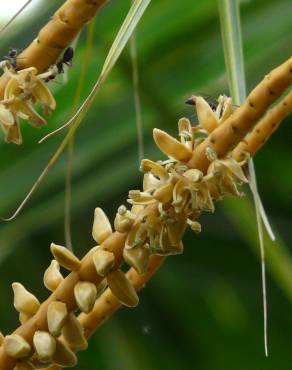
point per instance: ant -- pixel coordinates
(217, 106)
(66, 59)
(210, 100)
(11, 58)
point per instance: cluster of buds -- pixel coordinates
(175, 195)
(24, 91)
(64, 334)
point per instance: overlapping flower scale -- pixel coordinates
(24, 90)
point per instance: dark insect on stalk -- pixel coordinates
(11, 58)
(192, 101)
(66, 59)
(209, 99)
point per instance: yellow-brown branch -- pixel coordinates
(232, 131)
(263, 129)
(56, 35)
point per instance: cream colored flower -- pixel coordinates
(224, 175)
(23, 91)
(26, 85)
(174, 195)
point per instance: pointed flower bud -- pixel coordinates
(140, 197)
(73, 333)
(137, 257)
(122, 288)
(155, 168)
(103, 261)
(56, 316)
(164, 193)
(24, 301)
(45, 345)
(170, 146)
(65, 257)
(122, 224)
(15, 346)
(52, 276)
(101, 229)
(85, 295)
(206, 116)
(225, 106)
(150, 182)
(63, 355)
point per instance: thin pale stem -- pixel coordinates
(43, 52)
(68, 195)
(70, 148)
(137, 100)
(15, 16)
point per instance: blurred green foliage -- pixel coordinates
(203, 309)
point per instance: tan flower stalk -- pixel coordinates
(107, 303)
(233, 130)
(263, 129)
(21, 89)
(56, 35)
(173, 197)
